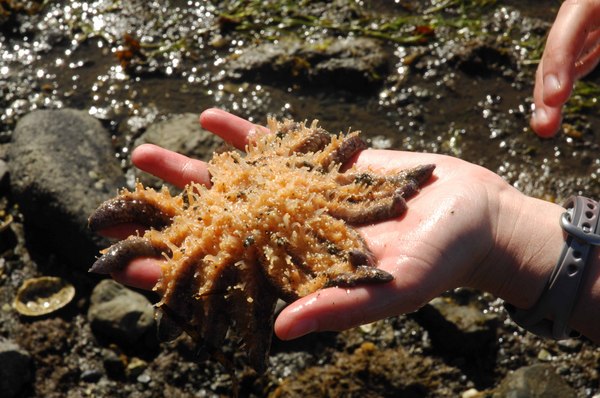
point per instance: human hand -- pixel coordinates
(572, 50)
(458, 231)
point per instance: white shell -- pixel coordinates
(44, 295)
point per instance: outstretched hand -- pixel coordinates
(572, 51)
(455, 231)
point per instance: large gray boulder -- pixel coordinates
(62, 166)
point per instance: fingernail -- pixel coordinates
(540, 116)
(551, 83)
(302, 327)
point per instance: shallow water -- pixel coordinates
(70, 54)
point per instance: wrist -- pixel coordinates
(527, 244)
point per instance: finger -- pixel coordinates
(545, 120)
(564, 45)
(328, 310)
(231, 128)
(590, 55)
(142, 273)
(336, 309)
(170, 166)
(385, 161)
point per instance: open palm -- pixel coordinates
(443, 241)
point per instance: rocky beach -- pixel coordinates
(83, 83)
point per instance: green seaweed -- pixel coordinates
(584, 98)
(275, 18)
(462, 5)
(255, 21)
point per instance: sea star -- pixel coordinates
(277, 222)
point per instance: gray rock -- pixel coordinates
(62, 166)
(15, 369)
(535, 381)
(182, 134)
(353, 64)
(458, 329)
(120, 315)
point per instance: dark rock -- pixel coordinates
(120, 315)
(353, 64)
(570, 345)
(535, 381)
(3, 175)
(114, 365)
(484, 58)
(457, 329)
(62, 167)
(91, 375)
(8, 238)
(15, 369)
(182, 134)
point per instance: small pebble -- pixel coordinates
(91, 375)
(135, 367)
(144, 378)
(470, 393)
(570, 345)
(544, 355)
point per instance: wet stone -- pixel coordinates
(458, 329)
(62, 166)
(120, 315)
(15, 369)
(483, 58)
(352, 64)
(535, 381)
